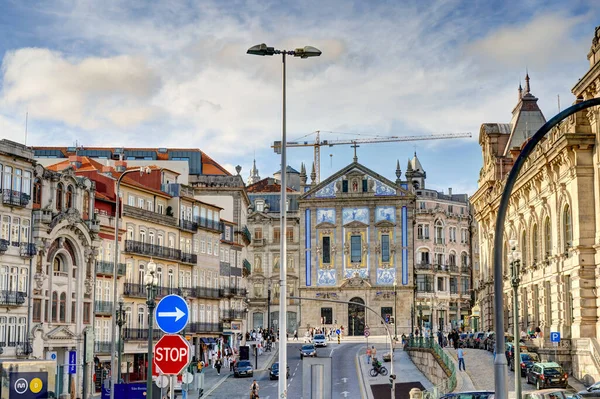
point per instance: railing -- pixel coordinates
(209, 224)
(202, 327)
(232, 314)
(102, 346)
(441, 268)
(188, 225)
(4, 244)
(424, 266)
(429, 345)
(225, 292)
(164, 291)
(246, 236)
(12, 298)
(439, 240)
(135, 290)
(143, 248)
(150, 216)
(108, 219)
(15, 198)
(140, 334)
(465, 269)
(258, 242)
(453, 269)
(189, 258)
(103, 307)
(239, 291)
(105, 267)
(205, 292)
(27, 249)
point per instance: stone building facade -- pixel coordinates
(356, 241)
(553, 216)
(442, 237)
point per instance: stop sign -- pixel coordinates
(172, 354)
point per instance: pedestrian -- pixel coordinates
(373, 353)
(218, 365)
(295, 335)
(461, 359)
(368, 355)
(440, 338)
(254, 390)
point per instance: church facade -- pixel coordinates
(356, 245)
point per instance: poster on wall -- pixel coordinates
(28, 385)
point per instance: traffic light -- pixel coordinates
(392, 378)
(392, 320)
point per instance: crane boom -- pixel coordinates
(318, 143)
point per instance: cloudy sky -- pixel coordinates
(175, 74)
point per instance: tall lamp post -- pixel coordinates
(514, 258)
(151, 281)
(420, 319)
(395, 315)
(306, 52)
(269, 327)
(121, 319)
(113, 348)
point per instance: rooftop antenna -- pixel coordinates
(558, 98)
(26, 117)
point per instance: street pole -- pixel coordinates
(151, 281)
(514, 257)
(501, 387)
(395, 308)
(269, 304)
(120, 322)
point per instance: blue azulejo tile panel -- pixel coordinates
(362, 273)
(382, 189)
(404, 245)
(326, 215)
(387, 213)
(326, 192)
(386, 276)
(355, 214)
(326, 277)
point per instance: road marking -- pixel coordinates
(345, 393)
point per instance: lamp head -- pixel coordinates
(148, 279)
(307, 51)
(261, 49)
(151, 266)
(155, 281)
(121, 301)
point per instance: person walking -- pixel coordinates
(218, 365)
(461, 358)
(232, 363)
(295, 335)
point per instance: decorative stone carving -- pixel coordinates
(89, 285)
(39, 279)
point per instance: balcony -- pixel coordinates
(102, 346)
(239, 291)
(202, 327)
(440, 240)
(12, 298)
(108, 219)
(140, 334)
(103, 308)
(42, 216)
(465, 269)
(225, 293)
(424, 266)
(209, 224)
(246, 236)
(93, 225)
(15, 198)
(205, 292)
(104, 267)
(27, 250)
(442, 268)
(188, 225)
(144, 214)
(143, 248)
(134, 290)
(453, 269)
(229, 314)
(189, 258)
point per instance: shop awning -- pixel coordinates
(208, 341)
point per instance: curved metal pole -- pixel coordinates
(500, 377)
(393, 390)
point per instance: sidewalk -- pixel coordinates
(404, 369)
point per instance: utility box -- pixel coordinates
(316, 378)
(27, 379)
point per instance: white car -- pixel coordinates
(319, 340)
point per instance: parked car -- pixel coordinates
(274, 371)
(243, 368)
(527, 360)
(552, 394)
(308, 350)
(319, 340)
(593, 391)
(469, 395)
(488, 342)
(546, 375)
(509, 351)
(469, 340)
(478, 340)
(462, 339)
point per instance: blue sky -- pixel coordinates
(175, 74)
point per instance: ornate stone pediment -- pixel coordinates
(325, 225)
(384, 223)
(355, 282)
(60, 333)
(356, 225)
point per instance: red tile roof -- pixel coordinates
(263, 186)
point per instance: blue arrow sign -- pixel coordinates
(172, 314)
(554, 337)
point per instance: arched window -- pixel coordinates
(547, 237)
(535, 247)
(567, 228)
(37, 193)
(452, 259)
(55, 306)
(464, 260)
(63, 307)
(58, 265)
(69, 197)
(59, 197)
(524, 249)
(439, 232)
(141, 274)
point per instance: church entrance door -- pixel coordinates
(356, 317)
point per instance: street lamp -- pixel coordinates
(395, 316)
(514, 258)
(121, 319)
(151, 282)
(113, 348)
(420, 307)
(305, 52)
(269, 327)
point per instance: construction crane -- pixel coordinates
(317, 144)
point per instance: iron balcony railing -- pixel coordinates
(225, 292)
(189, 258)
(135, 290)
(4, 244)
(27, 249)
(424, 266)
(209, 224)
(103, 307)
(246, 235)
(203, 327)
(144, 248)
(239, 291)
(105, 267)
(188, 225)
(12, 298)
(15, 198)
(247, 268)
(453, 269)
(102, 346)
(205, 292)
(425, 289)
(140, 334)
(229, 314)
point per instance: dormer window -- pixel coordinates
(260, 205)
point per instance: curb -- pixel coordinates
(365, 392)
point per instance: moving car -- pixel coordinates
(478, 340)
(319, 340)
(469, 395)
(593, 391)
(546, 375)
(274, 371)
(308, 350)
(243, 368)
(527, 360)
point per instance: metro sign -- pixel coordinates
(172, 354)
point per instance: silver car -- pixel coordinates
(319, 340)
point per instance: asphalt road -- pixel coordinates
(345, 380)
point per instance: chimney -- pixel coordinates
(120, 166)
(75, 161)
(450, 191)
(270, 181)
